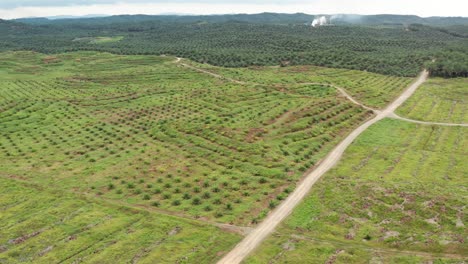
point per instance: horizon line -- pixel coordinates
(85, 16)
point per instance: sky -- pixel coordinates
(10, 9)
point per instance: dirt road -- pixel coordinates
(208, 72)
(350, 98)
(254, 238)
(343, 92)
(427, 122)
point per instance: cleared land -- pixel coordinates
(439, 100)
(133, 139)
(254, 238)
(397, 196)
(374, 90)
(148, 132)
(99, 40)
(43, 226)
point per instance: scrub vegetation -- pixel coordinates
(114, 149)
(151, 132)
(50, 226)
(439, 100)
(398, 196)
(374, 90)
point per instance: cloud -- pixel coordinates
(111, 7)
(44, 3)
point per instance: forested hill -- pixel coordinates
(263, 18)
(398, 20)
(385, 44)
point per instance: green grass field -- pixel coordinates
(397, 196)
(97, 151)
(148, 132)
(99, 40)
(374, 90)
(439, 100)
(43, 226)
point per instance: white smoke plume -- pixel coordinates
(319, 21)
(346, 18)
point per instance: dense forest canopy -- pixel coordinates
(264, 18)
(388, 44)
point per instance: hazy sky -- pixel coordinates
(35, 8)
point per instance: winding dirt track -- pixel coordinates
(343, 92)
(254, 238)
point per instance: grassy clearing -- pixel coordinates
(39, 226)
(439, 100)
(372, 89)
(145, 131)
(99, 40)
(400, 191)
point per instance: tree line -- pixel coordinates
(387, 49)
